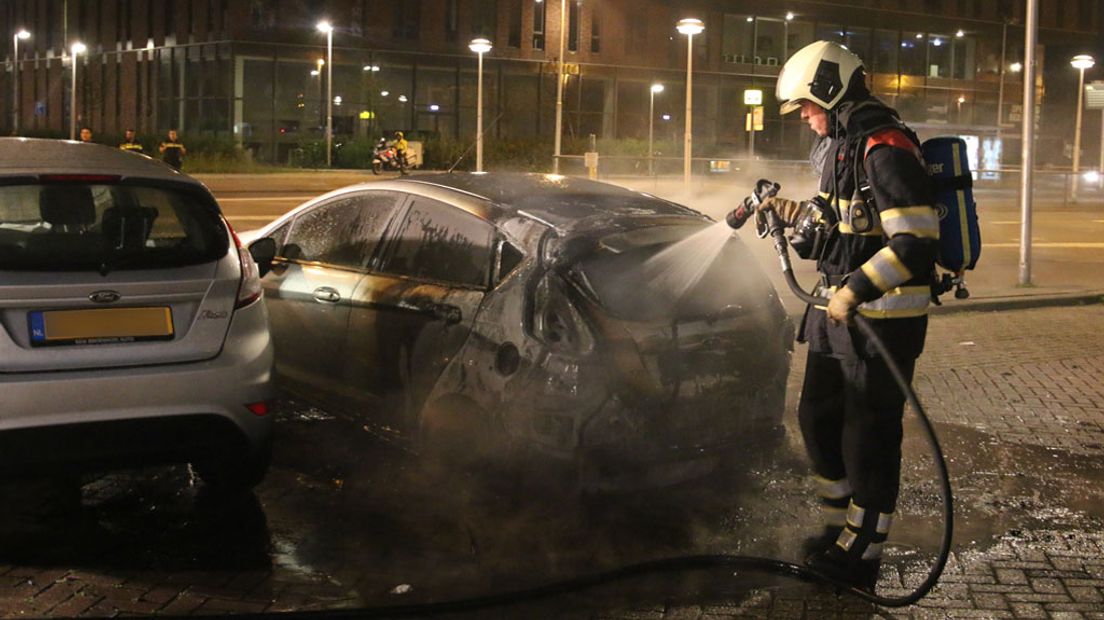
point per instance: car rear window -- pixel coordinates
(91, 227)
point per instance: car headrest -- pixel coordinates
(67, 205)
(128, 227)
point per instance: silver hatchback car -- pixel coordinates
(132, 329)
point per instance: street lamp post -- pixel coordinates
(1079, 62)
(327, 28)
(656, 88)
(22, 35)
(75, 50)
(689, 26)
(479, 46)
(1027, 146)
(560, 88)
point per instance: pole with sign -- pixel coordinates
(753, 98)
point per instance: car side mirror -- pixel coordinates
(263, 251)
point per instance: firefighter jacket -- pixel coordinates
(884, 251)
(132, 147)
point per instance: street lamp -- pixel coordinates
(689, 26)
(557, 142)
(75, 50)
(1079, 62)
(656, 88)
(327, 28)
(961, 100)
(22, 35)
(479, 46)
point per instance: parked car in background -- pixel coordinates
(478, 314)
(133, 329)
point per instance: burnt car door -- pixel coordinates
(414, 310)
(309, 291)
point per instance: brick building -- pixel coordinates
(247, 70)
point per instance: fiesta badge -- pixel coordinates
(104, 297)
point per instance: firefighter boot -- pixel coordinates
(835, 496)
(857, 555)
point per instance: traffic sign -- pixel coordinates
(1094, 95)
(753, 96)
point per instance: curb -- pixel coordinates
(955, 306)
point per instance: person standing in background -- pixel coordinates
(173, 151)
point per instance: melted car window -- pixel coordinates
(442, 243)
(344, 232)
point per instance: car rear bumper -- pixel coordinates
(163, 413)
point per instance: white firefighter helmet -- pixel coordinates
(819, 72)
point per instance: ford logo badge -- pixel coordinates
(104, 297)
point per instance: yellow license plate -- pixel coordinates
(100, 326)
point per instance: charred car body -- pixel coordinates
(515, 310)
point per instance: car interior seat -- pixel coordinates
(128, 227)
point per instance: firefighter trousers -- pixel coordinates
(850, 415)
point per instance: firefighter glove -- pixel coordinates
(787, 209)
(841, 307)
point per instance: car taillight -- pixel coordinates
(249, 288)
(259, 409)
(557, 322)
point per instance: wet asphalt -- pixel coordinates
(352, 517)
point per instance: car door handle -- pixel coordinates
(326, 295)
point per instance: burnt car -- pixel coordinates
(492, 313)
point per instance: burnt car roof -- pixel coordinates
(36, 156)
(560, 201)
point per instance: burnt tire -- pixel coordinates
(236, 473)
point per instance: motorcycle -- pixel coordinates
(385, 157)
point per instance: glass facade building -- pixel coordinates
(248, 70)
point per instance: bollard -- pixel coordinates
(590, 158)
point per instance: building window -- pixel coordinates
(913, 53)
(124, 21)
(595, 31)
(737, 39)
(485, 18)
(939, 56)
(538, 24)
(170, 19)
(408, 17)
(886, 46)
(964, 58)
(770, 41)
(858, 41)
(452, 20)
(574, 9)
(514, 37)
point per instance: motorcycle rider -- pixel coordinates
(401, 146)
(878, 260)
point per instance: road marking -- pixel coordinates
(265, 199)
(253, 218)
(1060, 245)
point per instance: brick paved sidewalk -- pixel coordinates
(1018, 400)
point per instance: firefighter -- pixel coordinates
(401, 147)
(130, 143)
(172, 150)
(876, 234)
